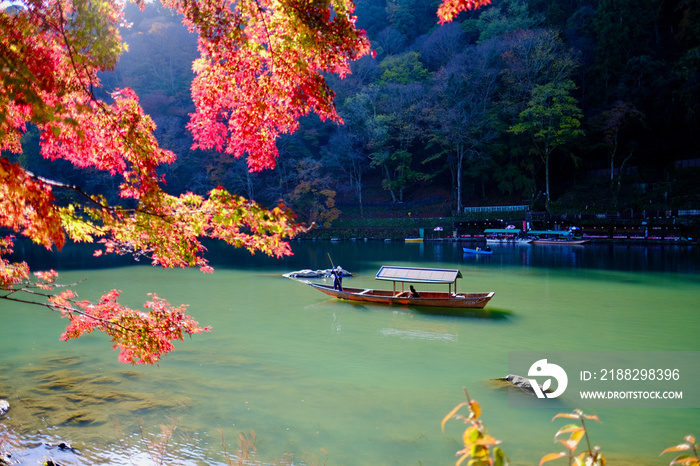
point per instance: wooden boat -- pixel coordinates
(449, 299)
(476, 251)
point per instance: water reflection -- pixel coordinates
(354, 256)
(622, 257)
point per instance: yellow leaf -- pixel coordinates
(552, 456)
(567, 429)
(578, 435)
(567, 416)
(476, 409)
(451, 413)
(689, 439)
(487, 440)
(468, 434)
(681, 447)
(689, 460)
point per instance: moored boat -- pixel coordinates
(503, 235)
(402, 275)
(477, 251)
(571, 236)
(563, 241)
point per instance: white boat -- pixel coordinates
(504, 235)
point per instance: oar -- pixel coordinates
(329, 258)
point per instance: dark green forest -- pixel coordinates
(563, 105)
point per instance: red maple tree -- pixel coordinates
(260, 69)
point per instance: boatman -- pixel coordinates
(338, 280)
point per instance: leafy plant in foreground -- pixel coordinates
(590, 457)
(477, 442)
(685, 458)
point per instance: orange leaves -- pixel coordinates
(577, 432)
(116, 138)
(261, 69)
(478, 444)
(168, 229)
(140, 337)
(689, 459)
(450, 8)
(26, 206)
(551, 457)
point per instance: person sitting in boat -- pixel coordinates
(414, 293)
(338, 278)
(488, 249)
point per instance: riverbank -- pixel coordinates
(663, 228)
(413, 234)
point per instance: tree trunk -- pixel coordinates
(546, 176)
(460, 160)
(359, 193)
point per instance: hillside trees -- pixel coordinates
(611, 123)
(462, 116)
(624, 29)
(397, 128)
(552, 119)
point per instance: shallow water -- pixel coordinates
(366, 384)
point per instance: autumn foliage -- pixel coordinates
(449, 9)
(481, 447)
(261, 67)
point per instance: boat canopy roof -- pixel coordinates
(418, 275)
(507, 231)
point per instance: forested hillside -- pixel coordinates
(561, 104)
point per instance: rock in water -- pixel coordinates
(4, 407)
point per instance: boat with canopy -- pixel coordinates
(400, 296)
(572, 236)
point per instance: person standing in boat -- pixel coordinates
(338, 278)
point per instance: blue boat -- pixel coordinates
(477, 251)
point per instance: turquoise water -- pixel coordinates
(363, 384)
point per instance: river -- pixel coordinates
(335, 383)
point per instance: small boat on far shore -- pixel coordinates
(477, 251)
(571, 236)
(503, 235)
(572, 242)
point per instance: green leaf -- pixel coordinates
(500, 458)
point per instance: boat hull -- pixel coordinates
(426, 299)
(571, 242)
